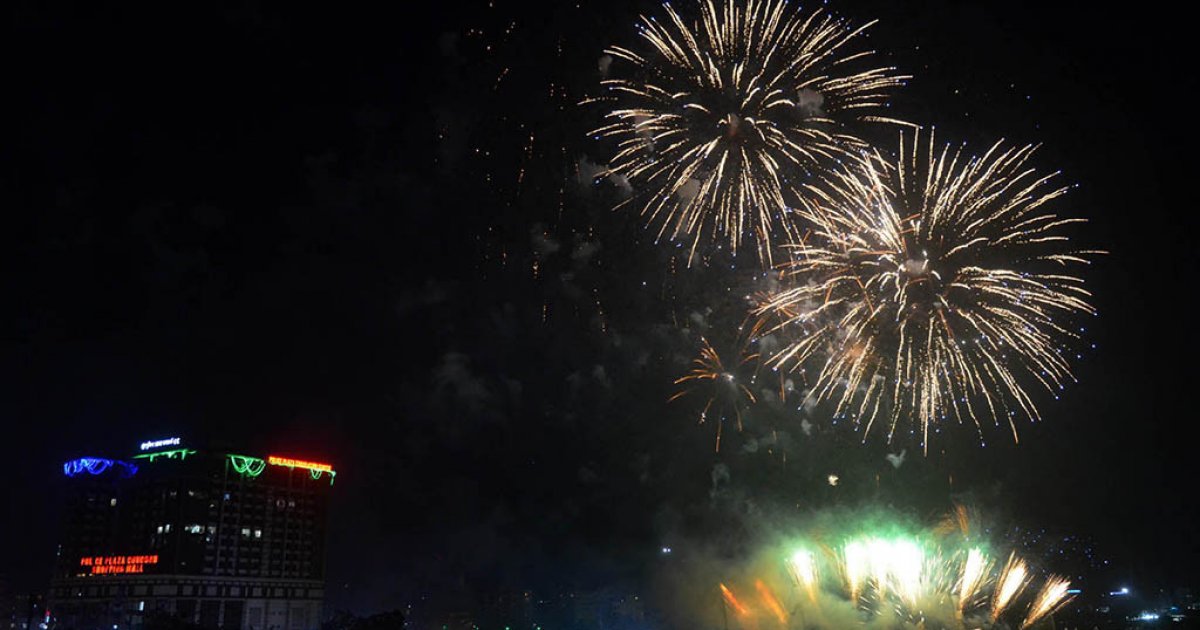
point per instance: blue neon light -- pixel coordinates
(97, 466)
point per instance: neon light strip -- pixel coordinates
(298, 463)
(247, 466)
(315, 470)
(316, 474)
(182, 454)
(97, 466)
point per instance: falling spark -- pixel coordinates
(719, 114)
(930, 288)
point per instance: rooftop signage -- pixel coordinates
(153, 444)
(298, 463)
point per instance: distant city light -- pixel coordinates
(666, 550)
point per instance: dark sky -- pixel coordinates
(303, 229)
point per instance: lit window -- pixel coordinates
(160, 529)
(113, 502)
(246, 532)
(258, 533)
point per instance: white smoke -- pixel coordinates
(810, 102)
(584, 250)
(543, 243)
(605, 64)
(688, 190)
(454, 374)
(587, 172)
(621, 182)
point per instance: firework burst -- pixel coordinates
(718, 117)
(890, 577)
(933, 286)
(719, 383)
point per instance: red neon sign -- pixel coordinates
(298, 463)
(108, 565)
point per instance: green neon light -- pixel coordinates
(247, 466)
(316, 474)
(179, 453)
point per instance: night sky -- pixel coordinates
(316, 230)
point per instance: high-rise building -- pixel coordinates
(223, 540)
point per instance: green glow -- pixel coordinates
(179, 453)
(316, 474)
(247, 466)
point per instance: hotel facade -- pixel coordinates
(218, 539)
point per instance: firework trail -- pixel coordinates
(1052, 596)
(803, 568)
(1011, 582)
(930, 287)
(719, 116)
(732, 600)
(974, 572)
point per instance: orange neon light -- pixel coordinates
(298, 463)
(108, 565)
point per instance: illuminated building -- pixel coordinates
(223, 540)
